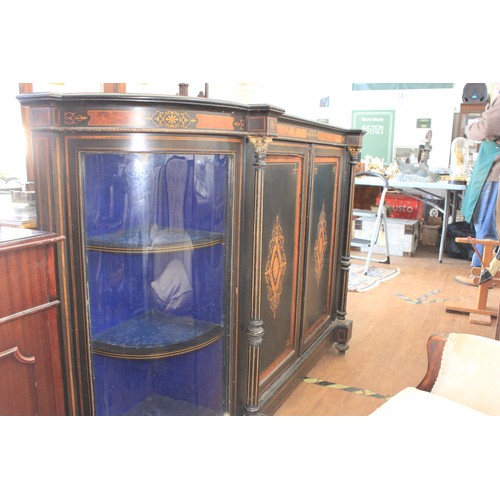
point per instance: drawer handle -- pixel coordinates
(27, 312)
(17, 355)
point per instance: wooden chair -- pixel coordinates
(479, 313)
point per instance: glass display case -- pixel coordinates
(459, 159)
(155, 232)
(206, 255)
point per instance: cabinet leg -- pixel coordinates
(343, 333)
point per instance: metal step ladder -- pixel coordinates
(380, 218)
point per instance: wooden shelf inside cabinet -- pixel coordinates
(162, 241)
(155, 335)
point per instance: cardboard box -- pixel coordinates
(403, 235)
(430, 234)
(403, 206)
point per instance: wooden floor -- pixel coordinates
(391, 324)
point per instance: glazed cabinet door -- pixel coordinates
(157, 251)
(319, 262)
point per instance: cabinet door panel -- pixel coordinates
(30, 377)
(18, 383)
(319, 249)
(26, 288)
(280, 260)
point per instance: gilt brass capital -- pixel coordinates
(260, 143)
(354, 152)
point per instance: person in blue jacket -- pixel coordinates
(481, 197)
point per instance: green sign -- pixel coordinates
(423, 123)
(379, 138)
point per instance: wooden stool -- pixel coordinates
(480, 313)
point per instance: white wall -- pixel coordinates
(12, 139)
(302, 99)
(296, 98)
(439, 105)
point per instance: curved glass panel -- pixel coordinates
(155, 229)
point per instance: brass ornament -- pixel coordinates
(260, 143)
(354, 152)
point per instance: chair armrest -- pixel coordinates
(435, 346)
(476, 241)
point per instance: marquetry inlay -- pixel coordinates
(320, 245)
(239, 124)
(173, 119)
(71, 118)
(312, 134)
(275, 267)
(272, 125)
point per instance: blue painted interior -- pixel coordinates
(144, 293)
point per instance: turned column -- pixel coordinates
(255, 328)
(343, 326)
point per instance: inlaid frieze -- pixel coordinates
(307, 134)
(160, 119)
